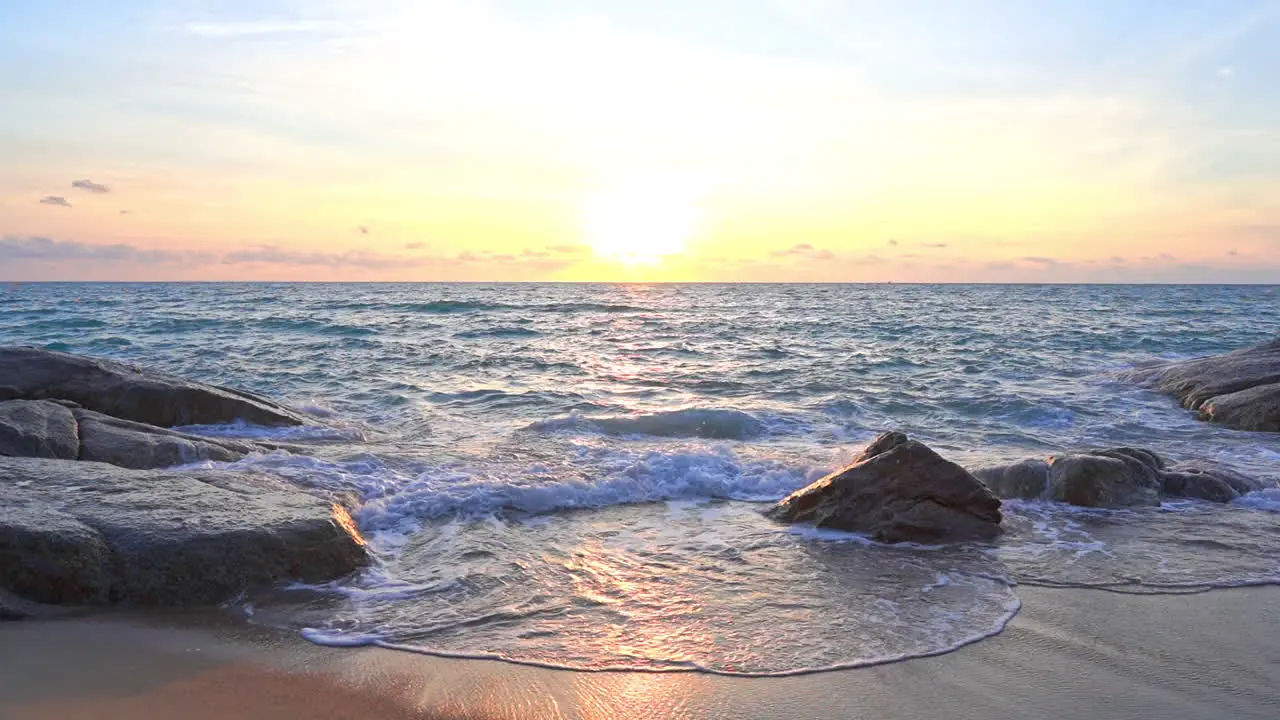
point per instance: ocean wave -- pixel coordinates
(1268, 499)
(499, 332)
(399, 496)
(708, 424)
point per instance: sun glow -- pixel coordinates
(641, 221)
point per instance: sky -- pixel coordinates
(656, 140)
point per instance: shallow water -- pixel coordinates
(571, 474)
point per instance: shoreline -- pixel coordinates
(1069, 653)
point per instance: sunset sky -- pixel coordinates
(798, 140)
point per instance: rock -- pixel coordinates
(1208, 481)
(1257, 408)
(1240, 389)
(93, 533)
(135, 445)
(35, 428)
(898, 490)
(49, 556)
(1103, 479)
(1024, 479)
(124, 391)
(1116, 477)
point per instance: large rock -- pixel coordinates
(93, 533)
(35, 428)
(898, 490)
(1103, 479)
(1240, 389)
(1116, 477)
(129, 392)
(135, 445)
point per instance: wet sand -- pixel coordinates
(1069, 654)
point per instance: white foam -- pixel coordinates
(289, 433)
(716, 424)
(1268, 499)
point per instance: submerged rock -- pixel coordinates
(1116, 477)
(37, 428)
(91, 533)
(1240, 389)
(128, 392)
(898, 490)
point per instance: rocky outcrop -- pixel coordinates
(135, 445)
(1116, 477)
(1240, 389)
(128, 392)
(897, 490)
(36, 428)
(91, 533)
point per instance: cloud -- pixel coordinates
(125, 212)
(272, 254)
(933, 245)
(363, 229)
(413, 246)
(893, 243)
(1046, 261)
(568, 249)
(57, 200)
(804, 250)
(90, 186)
(40, 249)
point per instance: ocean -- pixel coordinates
(572, 475)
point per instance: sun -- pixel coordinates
(642, 220)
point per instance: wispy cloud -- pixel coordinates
(90, 186)
(804, 250)
(272, 254)
(56, 200)
(43, 249)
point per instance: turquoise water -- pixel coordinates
(571, 474)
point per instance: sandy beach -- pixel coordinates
(1068, 654)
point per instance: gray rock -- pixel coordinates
(1027, 479)
(93, 533)
(35, 428)
(1256, 408)
(138, 446)
(47, 555)
(128, 392)
(1116, 477)
(898, 490)
(1240, 389)
(1208, 481)
(1103, 480)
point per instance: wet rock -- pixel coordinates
(128, 392)
(1208, 481)
(898, 490)
(139, 446)
(35, 428)
(1024, 479)
(1103, 479)
(1116, 477)
(1240, 389)
(93, 533)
